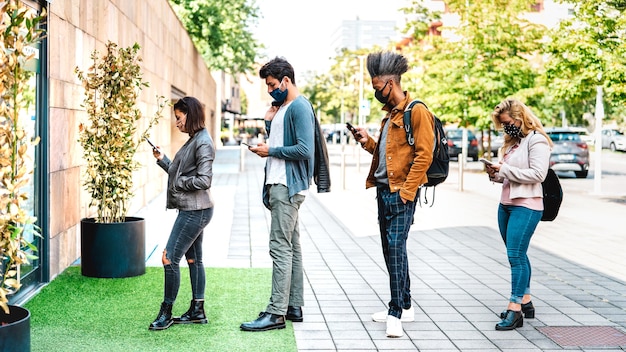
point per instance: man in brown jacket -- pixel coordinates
(397, 171)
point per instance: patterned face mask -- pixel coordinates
(513, 131)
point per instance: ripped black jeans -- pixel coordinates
(186, 239)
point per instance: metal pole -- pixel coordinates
(361, 124)
(242, 157)
(597, 174)
(461, 168)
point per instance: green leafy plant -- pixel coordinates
(19, 29)
(111, 139)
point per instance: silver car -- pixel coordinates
(613, 139)
(570, 152)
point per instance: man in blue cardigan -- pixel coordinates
(290, 152)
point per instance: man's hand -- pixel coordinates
(362, 133)
(261, 150)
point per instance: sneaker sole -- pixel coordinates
(404, 320)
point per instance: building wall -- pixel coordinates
(170, 63)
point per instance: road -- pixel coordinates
(613, 186)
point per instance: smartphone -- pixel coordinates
(154, 147)
(485, 161)
(353, 130)
(246, 144)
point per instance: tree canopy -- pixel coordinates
(221, 31)
(497, 52)
(586, 51)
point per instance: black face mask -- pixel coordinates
(513, 131)
(379, 94)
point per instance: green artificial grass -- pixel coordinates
(77, 313)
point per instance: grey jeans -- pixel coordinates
(285, 250)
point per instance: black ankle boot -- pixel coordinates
(164, 319)
(512, 320)
(527, 308)
(194, 315)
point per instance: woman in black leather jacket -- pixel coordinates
(188, 191)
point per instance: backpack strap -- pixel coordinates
(408, 127)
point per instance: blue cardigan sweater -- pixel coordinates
(298, 148)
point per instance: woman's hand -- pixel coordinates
(156, 152)
(492, 169)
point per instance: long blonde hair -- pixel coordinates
(518, 111)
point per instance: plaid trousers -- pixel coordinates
(394, 220)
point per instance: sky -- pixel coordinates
(301, 30)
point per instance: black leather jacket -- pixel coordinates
(191, 174)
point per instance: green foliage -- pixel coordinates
(221, 31)
(19, 29)
(463, 79)
(497, 53)
(336, 92)
(589, 50)
(111, 138)
(113, 315)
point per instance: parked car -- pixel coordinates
(584, 135)
(613, 139)
(497, 139)
(570, 152)
(455, 137)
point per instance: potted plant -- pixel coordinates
(112, 243)
(19, 29)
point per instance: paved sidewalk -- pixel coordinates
(458, 267)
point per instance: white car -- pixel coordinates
(613, 139)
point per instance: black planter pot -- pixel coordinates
(113, 250)
(15, 335)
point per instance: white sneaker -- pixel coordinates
(408, 315)
(394, 327)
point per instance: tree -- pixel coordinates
(586, 51)
(221, 32)
(463, 78)
(336, 91)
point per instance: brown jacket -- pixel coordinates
(406, 164)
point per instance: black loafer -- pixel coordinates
(265, 321)
(294, 314)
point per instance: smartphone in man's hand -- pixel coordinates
(354, 131)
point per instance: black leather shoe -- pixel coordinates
(512, 320)
(527, 308)
(294, 314)
(265, 321)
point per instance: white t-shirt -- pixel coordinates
(276, 171)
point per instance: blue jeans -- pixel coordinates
(517, 225)
(285, 250)
(186, 239)
(394, 221)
